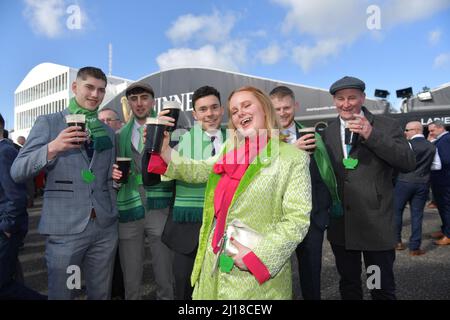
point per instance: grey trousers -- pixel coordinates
(92, 251)
(131, 249)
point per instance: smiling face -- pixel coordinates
(247, 113)
(89, 92)
(349, 102)
(285, 109)
(209, 112)
(141, 104)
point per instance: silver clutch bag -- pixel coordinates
(242, 234)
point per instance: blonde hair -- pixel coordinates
(271, 122)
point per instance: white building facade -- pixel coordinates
(47, 89)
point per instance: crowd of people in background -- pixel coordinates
(232, 204)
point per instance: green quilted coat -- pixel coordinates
(273, 198)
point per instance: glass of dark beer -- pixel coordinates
(76, 120)
(124, 166)
(175, 109)
(304, 131)
(155, 135)
(350, 137)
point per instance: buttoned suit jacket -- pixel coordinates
(68, 200)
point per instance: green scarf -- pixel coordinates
(190, 197)
(326, 172)
(95, 126)
(129, 200)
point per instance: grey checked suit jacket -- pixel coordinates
(67, 199)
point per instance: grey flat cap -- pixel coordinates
(142, 85)
(347, 83)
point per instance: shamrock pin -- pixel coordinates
(350, 163)
(225, 263)
(87, 176)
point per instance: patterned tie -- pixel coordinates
(213, 151)
(289, 136)
(141, 143)
(349, 148)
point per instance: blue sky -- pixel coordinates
(390, 44)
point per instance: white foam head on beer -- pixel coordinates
(310, 129)
(156, 121)
(75, 118)
(171, 105)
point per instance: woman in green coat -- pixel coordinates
(259, 180)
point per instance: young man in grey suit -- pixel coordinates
(143, 211)
(79, 214)
(364, 170)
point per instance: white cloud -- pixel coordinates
(330, 24)
(346, 18)
(441, 61)
(213, 28)
(228, 57)
(434, 37)
(270, 55)
(204, 41)
(45, 16)
(307, 56)
(405, 11)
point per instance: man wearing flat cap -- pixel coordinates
(143, 210)
(364, 168)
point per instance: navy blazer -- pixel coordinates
(13, 196)
(442, 177)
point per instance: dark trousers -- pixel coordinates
(348, 263)
(442, 197)
(117, 288)
(10, 288)
(309, 255)
(182, 269)
(416, 194)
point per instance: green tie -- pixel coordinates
(349, 147)
(141, 143)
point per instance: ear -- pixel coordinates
(297, 105)
(194, 114)
(74, 87)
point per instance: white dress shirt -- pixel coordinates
(217, 144)
(291, 132)
(436, 164)
(343, 126)
(136, 135)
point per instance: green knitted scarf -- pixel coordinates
(95, 126)
(326, 172)
(189, 200)
(129, 200)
